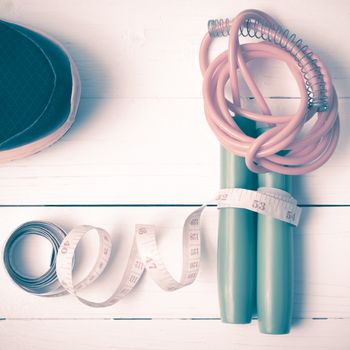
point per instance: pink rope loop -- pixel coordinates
(307, 148)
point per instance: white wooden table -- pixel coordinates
(141, 152)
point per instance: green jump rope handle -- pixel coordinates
(274, 265)
(237, 244)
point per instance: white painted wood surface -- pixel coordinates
(160, 334)
(141, 138)
(141, 124)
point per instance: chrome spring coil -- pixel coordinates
(277, 35)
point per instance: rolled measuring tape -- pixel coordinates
(47, 284)
(144, 254)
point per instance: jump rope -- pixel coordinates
(255, 259)
(257, 212)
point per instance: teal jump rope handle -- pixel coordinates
(274, 265)
(236, 246)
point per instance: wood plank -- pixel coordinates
(322, 264)
(123, 51)
(128, 151)
(156, 134)
(160, 334)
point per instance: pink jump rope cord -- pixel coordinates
(308, 149)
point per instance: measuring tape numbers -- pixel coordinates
(144, 254)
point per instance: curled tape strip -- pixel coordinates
(144, 253)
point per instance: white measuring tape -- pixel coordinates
(144, 254)
(267, 201)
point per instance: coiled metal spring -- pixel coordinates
(276, 34)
